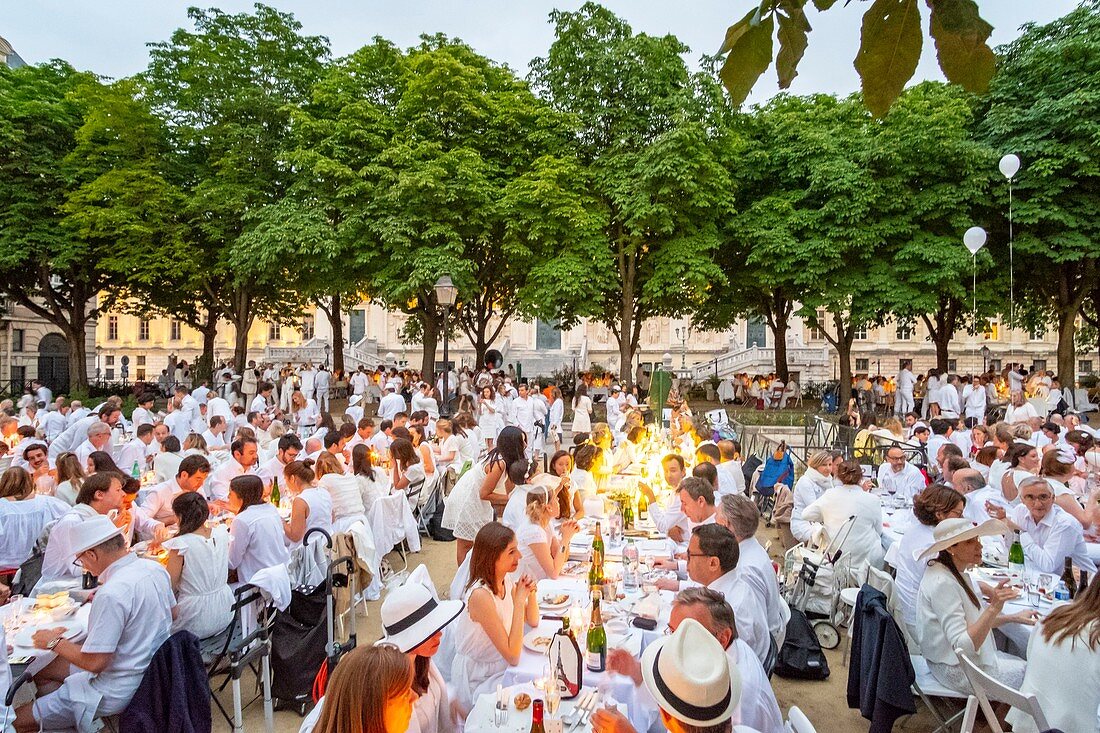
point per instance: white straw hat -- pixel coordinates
(355, 399)
(953, 531)
(411, 615)
(92, 532)
(691, 677)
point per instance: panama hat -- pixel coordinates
(92, 532)
(355, 399)
(691, 676)
(411, 615)
(953, 531)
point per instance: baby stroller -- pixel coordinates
(303, 644)
(812, 581)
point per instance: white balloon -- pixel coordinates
(1009, 165)
(974, 239)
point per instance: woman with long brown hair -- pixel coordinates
(70, 475)
(489, 633)
(370, 691)
(1063, 666)
(310, 506)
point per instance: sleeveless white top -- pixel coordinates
(478, 666)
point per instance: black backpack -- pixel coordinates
(748, 468)
(431, 518)
(801, 657)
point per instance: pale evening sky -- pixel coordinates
(109, 37)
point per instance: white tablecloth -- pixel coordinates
(481, 717)
(41, 656)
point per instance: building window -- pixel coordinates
(994, 332)
(19, 374)
(110, 374)
(863, 365)
(112, 328)
(140, 375)
(307, 327)
(905, 332)
(1039, 364)
(143, 330)
(274, 332)
(110, 359)
(861, 333)
(1036, 334)
(952, 366)
(1084, 366)
(176, 329)
(994, 365)
(18, 338)
(817, 333)
(547, 335)
(141, 360)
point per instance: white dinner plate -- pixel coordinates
(538, 640)
(25, 637)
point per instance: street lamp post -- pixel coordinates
(445, 295)
(985, 358)
(683, 333)
(328, 352)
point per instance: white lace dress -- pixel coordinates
(465, 511)
(478, 666)
(204, 600)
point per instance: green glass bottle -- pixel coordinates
(628, 515)
(597, 639)
(135, 472)
(597, 542)
(1016, 555)
(595, 572)
(275, 491)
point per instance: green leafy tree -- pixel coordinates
(227, 90)
(652, 166)
(890, 47)
(936, 178)
(85, 206)
(1043, 107)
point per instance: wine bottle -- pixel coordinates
(595, 572)
(536, 717)
(643, 507)
(275, 491)
(1016, 555)
(628, 515)
(597, 542)
(1069, 578)
(597, 639)
(1084, 584)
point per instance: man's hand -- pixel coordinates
(664, 563)
(668, 584)
(43, 637)
(676, 534)
(622, 662)
(5, 594)
(610, 721)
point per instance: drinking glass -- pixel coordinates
(552, 694)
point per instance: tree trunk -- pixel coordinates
(429, 327)
(779, 337)
(626, 331)
(78, 356)
(203, 369)
(844, 355)
(1067, 350)
(942, 339)
(336, 322)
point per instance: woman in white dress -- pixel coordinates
(371, 479)
(543, 553)
(70, 475)
(951, 614)
(344, 491)
(408, 470)
(470, 505)
(852, 517)
(198, 565)
(1023, 463)
(448, 449)
(582, 410)
(554, 419)
(489, 633)
(582, 479)
(23, 515)
(1058, 468)
(311, 507)
(488, 418)
(809, 488)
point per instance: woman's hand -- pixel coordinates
(995, 511)
(1027, 618)
(606, 720)
(522, 590)
(568, 529)
(1000, 594)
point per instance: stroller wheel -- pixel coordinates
(827, 635)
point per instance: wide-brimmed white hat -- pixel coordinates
(691, 676)
(91, 532)
(953, 531)
(411, 615)
(355, 399)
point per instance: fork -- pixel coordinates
(578, 710)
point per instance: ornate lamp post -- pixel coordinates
(445, 295)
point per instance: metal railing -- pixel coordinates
(824, 434)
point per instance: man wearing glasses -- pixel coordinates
(899, 477)
(1049, 534)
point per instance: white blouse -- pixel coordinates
(943, 614)
(258, 541)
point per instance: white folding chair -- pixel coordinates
(928, 687)
(1081, 400)
(797, 722)
(985, 689)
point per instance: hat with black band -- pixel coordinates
(411, 615)
(691, 677)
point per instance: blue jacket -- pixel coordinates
(777, 472)
(174, 696)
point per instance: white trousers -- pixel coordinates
(903, 402)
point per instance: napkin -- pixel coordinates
(649, 607)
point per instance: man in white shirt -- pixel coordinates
(614, 407)
(949, 398)
(139, 450)
(263, 401)
(218, 406)
(941, 435)
(177, 422)
(202, 393)
(757, 710)
(215, 434)
(53, 421)
(249, 382)
(731, 474)
(99, 439)
(359, 383)
(77, 433)
(43, 395)
(308, 376)
(697, 501)
(1049, 534)
(189, 406)
(243, 452)
(671, 519)
(972, 486)
(899, 477)
(391, 404)
(190, 476)
(974, 400)
(364, 431)
(77, 412)
(100, 493)
(287, 450)
(526, 412)
(321, 384)
(381, 440)
(739, 514)
(131, 616)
